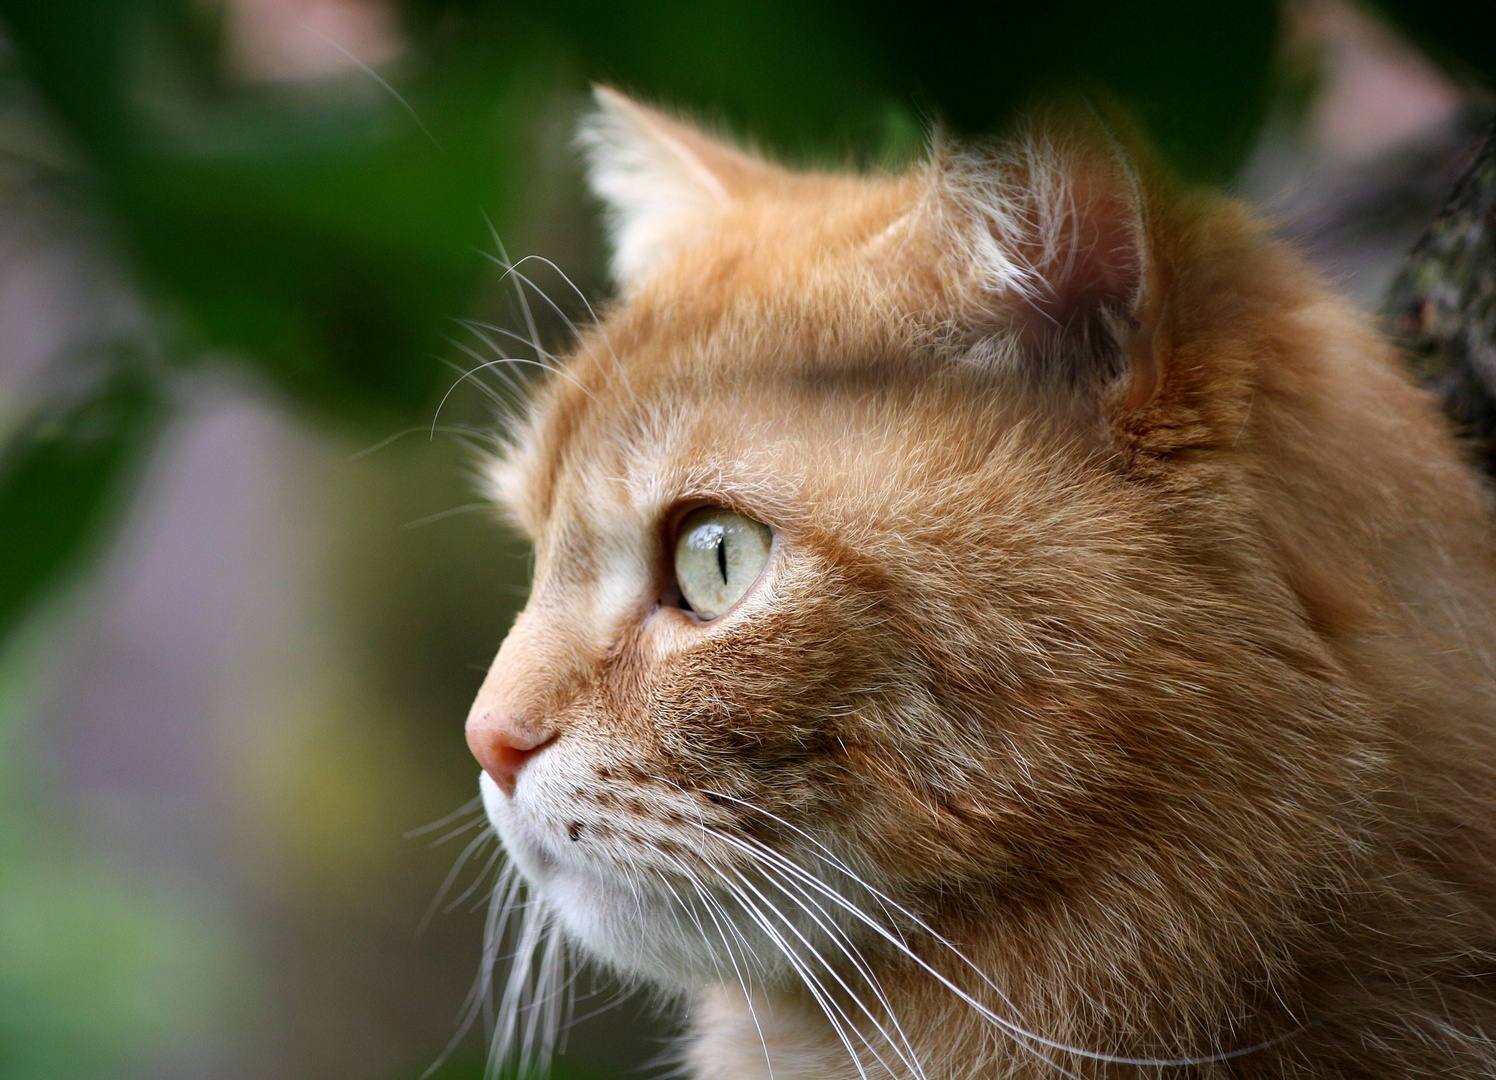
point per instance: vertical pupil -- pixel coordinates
(722, 556)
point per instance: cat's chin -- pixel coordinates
(640, 932)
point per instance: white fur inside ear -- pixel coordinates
(1053, 218)
(660, 196)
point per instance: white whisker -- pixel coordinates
(596, 322)
(462, 434)
(834, 1013)
(472, 848)
(442, 515)
(380, 80)
(1005, 1024)
(479, 997)
(540, 354)
(838, 936)
(489, 365)
(710, 902)
(493, 860)
(571, 326)
(1009, 1027)
(906, 1054)
(477, 822)
(473, 806)
(519, 291)
(507, 407)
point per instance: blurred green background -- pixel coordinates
(246, 249)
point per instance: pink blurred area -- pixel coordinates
(1377, 91)
(1362, 145)
(289, 40)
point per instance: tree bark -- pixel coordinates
(1442, 306)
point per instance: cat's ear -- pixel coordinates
(1051, 227)
(662, 181)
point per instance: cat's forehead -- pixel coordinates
(597, 458)
(776, 422)
(687, 385)
(806, 300)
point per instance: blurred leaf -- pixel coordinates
(1196, 75)
(817, 79)
(327, 232)
(811, 79)
(59, 481)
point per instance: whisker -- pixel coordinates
(848, 948)
(493, 860)
(442, 515)
(1014, 1030)
(512, 381)
(473, 805)
(1005, 1024)
(571, 326)
(478, 821)
(614, 1000)
(473, 846)
(506, 406)
(807, 977)
(476, 325)
(486, 365)
(906, 1055)
(518, 993)
(1010, 1027)
(602, 330)
(383, 83)
(519, 291)
(836, 934)
(457, 431)
(710, 903)
(476, 1002)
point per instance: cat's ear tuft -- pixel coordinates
(1053, 230)
(662, 181)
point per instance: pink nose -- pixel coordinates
(502, 746)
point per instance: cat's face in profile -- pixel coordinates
(932, 541)
(904, 607)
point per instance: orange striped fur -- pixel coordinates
(1118, 697)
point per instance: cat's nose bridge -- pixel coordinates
(513, 716)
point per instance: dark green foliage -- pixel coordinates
(58, 479)
(1459, 33)
(1194, 74)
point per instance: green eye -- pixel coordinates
(719, 554)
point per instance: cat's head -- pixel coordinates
(888, 543)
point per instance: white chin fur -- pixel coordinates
(640, 931)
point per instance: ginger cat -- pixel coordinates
(1007, 619)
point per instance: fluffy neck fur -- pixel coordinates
(1128, 635)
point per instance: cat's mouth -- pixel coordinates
(628, 921)
(681, 929)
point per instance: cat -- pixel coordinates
(1003, 619)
